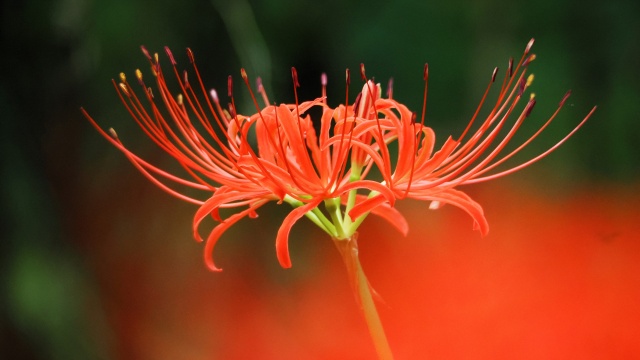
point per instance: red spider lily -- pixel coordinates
(421, 174)
(290, 162)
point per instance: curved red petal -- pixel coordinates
(282, 239)
(464, 202)
(385, 211)
(217, 231)
(224, 195)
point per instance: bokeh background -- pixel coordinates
(96, 263)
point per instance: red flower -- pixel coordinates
(290, 162)
(421, 174)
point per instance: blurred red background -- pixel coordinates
(558, 277)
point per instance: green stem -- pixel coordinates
(349, 250)
(356, 172)
(315, 215)
(333, 208)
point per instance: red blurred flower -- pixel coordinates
(277, 155)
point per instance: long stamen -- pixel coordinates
(323, 83)
(156, 130)
(418, 138)
(304, 153)
(382, 144)
(344, 123)
(502, 103)
(261, 91)
(255, 102)
(140, 164)
(484, 97)
(476, 179)
(222, 120)
(478, 150)
(244, 141)
(413, 154)
(243, 73)
(425, 77)
(181, 118)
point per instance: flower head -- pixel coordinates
(321, 167)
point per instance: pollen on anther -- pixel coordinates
(113, 133)
(179, 99)
(139, 74)
(530, 79)
(123, 77)
(528, 60)
(243, 73)
(125, 89)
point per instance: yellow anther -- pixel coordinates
(530, 80)
(113, 133)
(532, 96)
(139, 74)
(125, 89)
(179, 99)
(156, 57)
(123, 77)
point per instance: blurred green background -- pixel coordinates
(65, 190)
